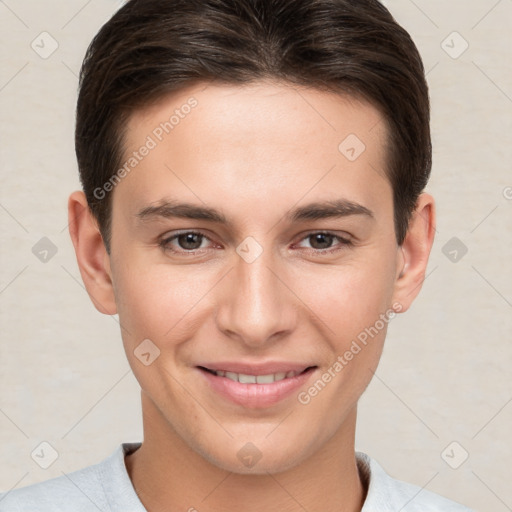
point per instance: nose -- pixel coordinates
(256, 306)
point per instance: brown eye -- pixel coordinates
(190, 241)
(321, 240)
(324, 243)
(185, 242)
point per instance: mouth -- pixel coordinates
(249, 378)
(256, 388)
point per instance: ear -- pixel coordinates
(92, 257)
(415, 252)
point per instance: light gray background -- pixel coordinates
(445, 372)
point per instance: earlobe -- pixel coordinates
(93, 260)
(415, 252)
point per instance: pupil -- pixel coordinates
(324, 239)
(189, 241)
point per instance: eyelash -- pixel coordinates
(343, 243)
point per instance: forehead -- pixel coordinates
(258, 108)
(259, 142)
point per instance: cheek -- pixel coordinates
(347, 298)
(157, 301)
(353, 307)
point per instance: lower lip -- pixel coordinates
(256, 395)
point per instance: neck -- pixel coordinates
(168, 475)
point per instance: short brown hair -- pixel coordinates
(150, 48)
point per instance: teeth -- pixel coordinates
(246, 379)
(265, 379)
(256, 379)
(231, 375)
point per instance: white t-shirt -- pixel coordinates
(106, 487)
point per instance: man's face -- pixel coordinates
(265, 286)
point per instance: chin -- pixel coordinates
(245, 458)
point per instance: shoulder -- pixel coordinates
(386, 494)
(86, 490)
(79, 487)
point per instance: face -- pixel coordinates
(255, 235)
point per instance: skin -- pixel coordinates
(254, 153)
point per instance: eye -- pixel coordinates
(322, 241)
(187, 241)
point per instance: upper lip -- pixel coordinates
(256, 368)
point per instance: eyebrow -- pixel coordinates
(312, 211)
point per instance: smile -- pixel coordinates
(255, 379)
(255, 391)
